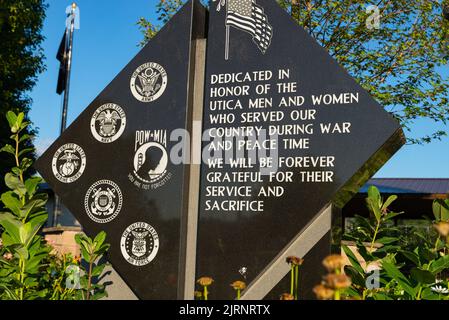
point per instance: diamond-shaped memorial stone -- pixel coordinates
(290, 132)
(112, 167)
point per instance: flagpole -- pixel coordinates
(227, 43)
(69, 68)
(57, 207)
(227, 28)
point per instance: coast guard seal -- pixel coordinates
(139, 244)
(103, 201)
(68, 163)
(148, 82)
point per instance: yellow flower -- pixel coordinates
(323, 293)
(337, 281)
(287, 296)
(76, 259)
(238, 285)
(205, 281)
(442, 227)
(333, 262)
(296, 261)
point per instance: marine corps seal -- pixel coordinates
(139, 244)
(148, 82)
(68, 163)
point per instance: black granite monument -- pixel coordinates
(288, 138)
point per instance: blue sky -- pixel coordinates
(108, 38)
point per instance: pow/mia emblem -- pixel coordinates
(148, 82)
(108, 123)
(103, 201)
(139, 244)
(68, 163)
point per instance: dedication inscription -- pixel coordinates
(287, 131)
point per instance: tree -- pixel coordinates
(399, 61)
(21, 60)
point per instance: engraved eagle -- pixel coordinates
(140, 235)
(139, 243)
(108, 121)
(148, 81)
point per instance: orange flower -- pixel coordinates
(442, 227)
(333, 262)
(287, 296)
(296, 261)
(337, 281)
(205, 281)
(8, 256)
(322, 292)
(238, 285)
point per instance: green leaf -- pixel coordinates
(29, 206)
(9, 240)
(98, 270)
(99, 239)
(440, 264)
(426, 254)
(19, 119)
(394, 273)
(99, 295)
(422, 276)
(388, 202)
(13, 182)
(85, 254)
(12, 118)
(25, 164)
(9, 149)
(12, 226)
(412, 256)
(391, 215)
(21, 253)
(26, 150)
(374, 208)
(355, 276)
(381, 296)
(353, 259)
(11, 202)
(31, 185)
(374, 194)
(440, 210)
(428, 294)
(33, 263)
(25, 137)
(387, 240)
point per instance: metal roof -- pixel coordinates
(409, 185)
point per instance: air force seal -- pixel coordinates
(103, 201)
(108, 123)
(148, 82)
(139, 244)
(68, 163)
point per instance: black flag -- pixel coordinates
(62, 58)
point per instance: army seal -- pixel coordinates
(148, 82)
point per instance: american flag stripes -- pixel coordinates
(248, 16)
